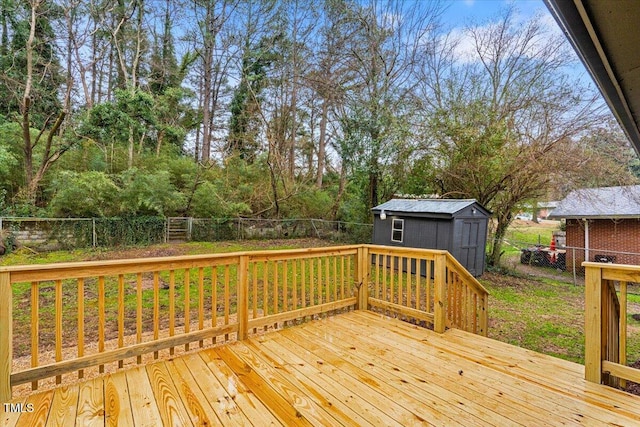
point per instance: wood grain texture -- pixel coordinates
(6, 337)
(91, 408)
(117, 405)
(143, 402)
(64, 406)
(356, 368)
(172, 410)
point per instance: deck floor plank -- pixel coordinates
(41, 406)
(91, 403)
(10, 418)
(342, 394)
(511, 363)
(322, 406)
(64, 406)
(117, 405)
(195, 401)
(515, 399)
(432, 403)
(356, 368)
(294, 406)
(247, 404)
(146, 413)
(172, 410)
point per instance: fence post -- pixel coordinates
(6, 336)
(243, 297)
(363, 278)
(440, 293)
(593, 324)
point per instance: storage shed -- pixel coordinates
(458, 226)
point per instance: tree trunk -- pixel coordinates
(322, 143)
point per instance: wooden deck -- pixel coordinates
(357, 368)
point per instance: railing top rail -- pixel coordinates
(608, 266)
(406, 249)
(34, 272)
(464, 272)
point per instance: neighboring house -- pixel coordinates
(458, 226)
(603, 224)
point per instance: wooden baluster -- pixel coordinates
(320, 282)
(227, 300)
(265, 289)
(254, 298)
(622, 349)
(35, 329)
(201, 303)
(295, 285)
(327, 281)
(101, 320)
(80, 323)
(139, 313)
(285, 287)
(303, 282)
(349, 270)
(120, 316)
(172, 307)
(334, 281)
(342, 277)
(242, 299)
(385, 272)
(156, 308)
(401, 279)
(276, 284)
(419, 284)
(311, 283)
(214, 299)
(409, 279)
(187, 304)
(6, 337)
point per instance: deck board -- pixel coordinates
(353, 369)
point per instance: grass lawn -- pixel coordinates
(540, 314)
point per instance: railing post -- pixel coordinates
(243, 297)
(484, 316)
(593, 324)
(440, 291)
(363, 278)
(6, 337)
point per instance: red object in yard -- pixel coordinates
(552, 249)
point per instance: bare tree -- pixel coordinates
(501, 117)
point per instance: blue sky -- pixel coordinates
(460, 12)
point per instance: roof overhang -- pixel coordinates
(606, 36)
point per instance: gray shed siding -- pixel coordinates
(463, 234)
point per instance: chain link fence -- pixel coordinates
(68, 233)
(562, 258)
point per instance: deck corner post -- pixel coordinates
(440, 290)
(593, 324)
(243, 298)
(363, 278)
(6, 336)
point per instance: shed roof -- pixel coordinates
(427, 206)
(605, 202)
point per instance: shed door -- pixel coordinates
(469, 246)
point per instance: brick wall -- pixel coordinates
(606, 237)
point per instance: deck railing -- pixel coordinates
(426, 285)
(606, 322)
(84, 315)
